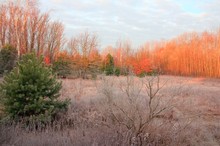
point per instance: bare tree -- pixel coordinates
(55, 39)
(83, 44)
(83, 47)
(139, 108)
(23, 26)
(122, 54)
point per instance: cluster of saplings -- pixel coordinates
(29, 90)
(64, 67)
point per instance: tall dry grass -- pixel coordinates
(109, 112)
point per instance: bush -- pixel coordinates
(62, 67)
(117, 71)
(8, 56)
(142, 74)
(31, 90)
(109, 68)
(150, 73)
(125, 71)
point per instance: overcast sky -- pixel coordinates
(137, 20)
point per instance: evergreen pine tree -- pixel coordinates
(109, 69)
(31, 90)
(117, 72)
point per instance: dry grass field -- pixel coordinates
(103, 113)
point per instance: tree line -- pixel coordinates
(26, 28)
(23, 26)
(194, 54)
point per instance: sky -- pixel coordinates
(139, 21)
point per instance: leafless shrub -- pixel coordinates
(73, 90)
(141, 108)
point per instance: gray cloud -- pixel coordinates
(137, 20)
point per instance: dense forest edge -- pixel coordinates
(24, 27)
